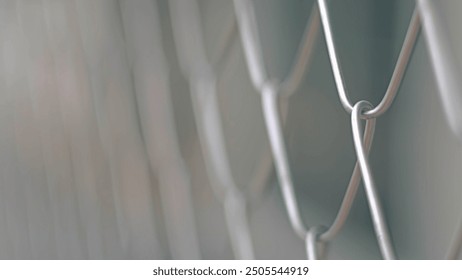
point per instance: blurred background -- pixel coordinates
(100, 150)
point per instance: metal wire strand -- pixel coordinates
(352, 188)
(251, 42)
(378, 217)
(271, 116)
(273, 125)
(398, 72)
(314, 248)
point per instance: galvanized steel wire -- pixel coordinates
(270, 90)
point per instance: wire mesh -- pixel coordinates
(98, 152)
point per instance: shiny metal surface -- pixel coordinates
(352, 188)
(269, 94)
(378, 217)
(271, 112)
(314, 249)
(396, 77)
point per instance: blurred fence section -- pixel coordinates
(77, 180)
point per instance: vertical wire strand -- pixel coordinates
(311, 244)
(315, 248)
(331, 48)
(251, 42)
(351, 190)
(271, 113)
(378, 217)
